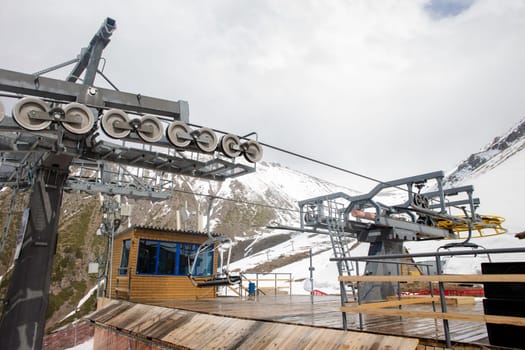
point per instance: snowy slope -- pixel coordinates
(471, 264)
(502, 192)
(496, 172)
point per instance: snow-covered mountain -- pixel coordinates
(496, 172)
(491, 156)
(240, 207)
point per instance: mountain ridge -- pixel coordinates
(490, 156)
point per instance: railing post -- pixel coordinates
(290, 279)
(129, 283)
(443, 303)
(431, 289)
(358, 299)
(257, 282)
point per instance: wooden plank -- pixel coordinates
(394, 303)
(516, 321)
(269, 279)
(325, 313)
(450, 300)
(519, 278)
(184, 329)
(235, 290)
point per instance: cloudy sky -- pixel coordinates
(384, 88)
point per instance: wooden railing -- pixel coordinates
(384, 307)
(122, 287)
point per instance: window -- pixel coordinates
(167, 258)
(147, 260)
(124, 259)
(204, 264)
(187, 252)
(171, 258)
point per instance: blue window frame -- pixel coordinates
(172, 258)
(147, 259)
(167, 258)
(124, 259)
(187, 253)
(204, 264)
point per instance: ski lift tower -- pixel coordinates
(56, 124)
(421, 215)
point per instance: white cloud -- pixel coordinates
(380, 88)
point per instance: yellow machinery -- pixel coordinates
(486, 225)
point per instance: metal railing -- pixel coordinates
(276, 282)
(440, 278)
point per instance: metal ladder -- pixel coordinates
(341, 246)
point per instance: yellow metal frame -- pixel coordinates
(490, 225)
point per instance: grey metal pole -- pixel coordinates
(24, 317)
(358, 299)
(312, 268)
(110, 257)
(443, 303)
(431, 289)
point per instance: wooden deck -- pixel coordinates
(325, 313)
(124, 325)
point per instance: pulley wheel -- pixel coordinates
(205, 139)
(150, 129)
(253, 151)
(2, 111)
(79, 119)
(230, 145)
(420, 201)
(115, 123)
(178, 134)
(22, 110)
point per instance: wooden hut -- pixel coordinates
(151, 263)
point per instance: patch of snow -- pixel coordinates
(82, 301)
(470, 264)
(501, 190)
(87, 345)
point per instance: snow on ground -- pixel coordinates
(299, 243)
(471, 263)
(295, 184)
(88, 345)
(501, 191)
(82, 301)
(325, 273)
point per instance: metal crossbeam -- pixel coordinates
(59, 90)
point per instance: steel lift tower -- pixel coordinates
(420, 214)
(57, 124)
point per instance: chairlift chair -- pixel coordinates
(222, 278)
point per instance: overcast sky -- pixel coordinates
(384, 88)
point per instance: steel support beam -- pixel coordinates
(28, 84)
(24, 318)
(375, 291)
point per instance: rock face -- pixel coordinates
(493, 154)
